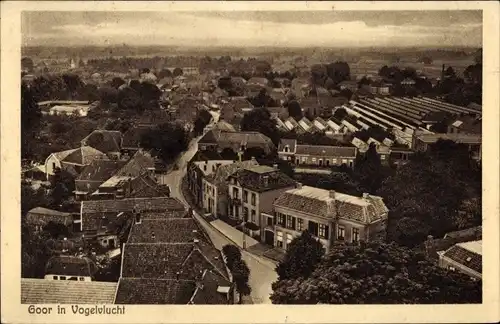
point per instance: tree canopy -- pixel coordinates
(294, 110)
(166, 140)
(259, 120)
(302, 256)
(377, 273)
(431, 188)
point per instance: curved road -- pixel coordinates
(262, 273)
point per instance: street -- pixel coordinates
(262, 273)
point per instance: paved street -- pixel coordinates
(262, 273)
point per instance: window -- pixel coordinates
(279, 239)
(53, 165)
(314, 160)
(334, 161)
(280, 219)
(355, 234)
(340, 232)
(253, 199)
(323, 231)
(287, 148)
(290, 222)
(253, 215)
(245, 213)
(245, 196)
(451, 268)
(300, 224)
(269, 221)
(62, 278)
(289, 239)
(382, 156)
(344, 161)
(236, 194)
(304, 159)
(313, 228)
(54, 277)
(82, 278)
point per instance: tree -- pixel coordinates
(56, 230)
(241, 274)
(294, 110)
(177, 72)
(319, 74)
(117, 82)
(340, 114)
(202, 120)
(63, 185)
(34, 253)
(30, 119)
(369, 171)
(166, 141)
(377, 273)
(232, 254)
(108, 95)
(261, 68)
(259, 120)
(301, 258)
(165, 73)
(338, 71)
(130, 99)
(431, 188)
(27, 64)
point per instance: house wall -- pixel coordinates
(60, 277)
(294, 233)
(209, 197)
(377, 230)
(315, 160)
(51, 163)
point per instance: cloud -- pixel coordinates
(175, 28)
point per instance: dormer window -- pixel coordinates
(137, 218)
(287, 148)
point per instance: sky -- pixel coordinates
(254, 28)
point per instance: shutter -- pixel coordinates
(311, 227)
(293, 223)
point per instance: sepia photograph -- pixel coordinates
(250, 157)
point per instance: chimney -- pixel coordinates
(365, 195)
(298, 185)
(253, 159)
(153, 236)
(332, 194)
(275, 166)
(137, 217)
(177, 275)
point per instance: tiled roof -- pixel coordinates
(318, 201)
(468, 254)
(224, 126)
(234, 140)
(40, 215)
(70, 266)
(93, 211)
(168, 230)
(165, 260)
(144, 186)
(132, 137)
(473, 232)
(138, 163)
(42, 291)
(128, 205)
(206, 293)
(100, 170)
(224, 171)
(459, 138)
(154, 291)
(104, 140)
(209, 167)
(326, 150)
(255, 179)
(82, 155)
